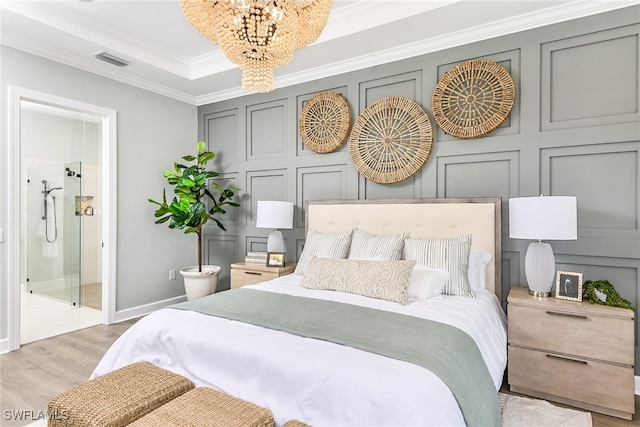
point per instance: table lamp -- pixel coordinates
(276, 215)
(542, 218)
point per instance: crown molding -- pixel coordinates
(202, 66)
(94, 67)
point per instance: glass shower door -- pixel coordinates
(53, 232)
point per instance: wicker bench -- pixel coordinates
(117, 398)
(206, 407)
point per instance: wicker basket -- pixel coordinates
(324, 122)
(391, 140)
(473, 98)
(206, 407)
(117, 398)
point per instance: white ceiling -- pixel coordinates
(169, 57)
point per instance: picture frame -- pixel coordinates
(275, 259)
(569, 285)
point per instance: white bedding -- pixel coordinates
(318, 382)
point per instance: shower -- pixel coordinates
(49, 209)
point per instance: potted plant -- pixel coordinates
(188, 212)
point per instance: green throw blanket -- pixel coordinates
(444, 350)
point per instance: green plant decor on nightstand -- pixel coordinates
(594, 289)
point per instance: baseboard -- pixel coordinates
(143, 310)
(4, 348)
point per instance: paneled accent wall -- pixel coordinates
(574, 130)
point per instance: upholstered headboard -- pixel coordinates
(481, 217)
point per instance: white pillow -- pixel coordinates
(478, 261)
(365, 245)
(323, 245)
(425, 282)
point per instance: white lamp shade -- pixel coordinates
(543, 218)
(274, 214)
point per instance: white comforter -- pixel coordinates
(318, 382)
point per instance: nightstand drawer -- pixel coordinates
(241, 277)
(581, 380)
(243, 273)
(576, 333)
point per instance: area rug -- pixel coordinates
(525, 412)
(518, 412)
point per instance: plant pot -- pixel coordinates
(197, 284)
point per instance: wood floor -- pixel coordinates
(29, 377)
(32, 375)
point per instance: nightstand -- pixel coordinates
(574, 353)
(243, 273)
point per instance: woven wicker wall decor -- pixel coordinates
(473, 98)
(324, 122)
(391, 140)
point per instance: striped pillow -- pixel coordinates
(365, 245)
(324, 245)
(446, 254)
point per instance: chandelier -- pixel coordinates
(258, 35)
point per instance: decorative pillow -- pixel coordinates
(451, 255)
(365, 245)
(325, 245)
(478, 261)
(387, 280)
(425, 282)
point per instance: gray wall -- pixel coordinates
(153, 131)
(574, 130)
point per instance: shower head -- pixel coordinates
(46, 192)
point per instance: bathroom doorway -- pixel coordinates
(62, 289)
(62, 268)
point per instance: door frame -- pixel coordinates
(14, 196)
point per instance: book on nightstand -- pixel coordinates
(256, 258)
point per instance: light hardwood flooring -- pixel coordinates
(32, 375)
(29, 377)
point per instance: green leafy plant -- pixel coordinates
(613, 299)
(188, 210)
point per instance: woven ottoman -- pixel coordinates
(295, 423)
(117, 398)
(206, 407)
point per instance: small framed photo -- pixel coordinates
(275, 259)
(569, 285)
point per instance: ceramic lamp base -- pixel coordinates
(540, 268)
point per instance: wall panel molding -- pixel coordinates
(264, 185)
(221, 249)
(604, 178)
(221, 134)
(319, 183)
(407, 85)
(591, 80)
(267, 130)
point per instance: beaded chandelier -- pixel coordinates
(258, 35)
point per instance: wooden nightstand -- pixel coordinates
(243, 273)
(574, 353)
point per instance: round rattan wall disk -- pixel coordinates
(391, 140)
(324, 122)
(473, 98)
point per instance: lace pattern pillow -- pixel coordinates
(387, 280)
(365, 245)
(325, 245)
(451, 255)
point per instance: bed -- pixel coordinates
(326, 370)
